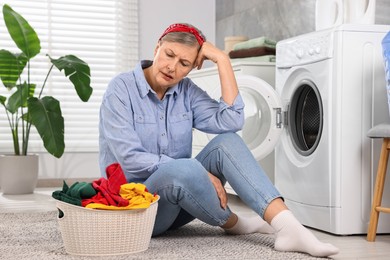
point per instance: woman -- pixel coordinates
(146, 121)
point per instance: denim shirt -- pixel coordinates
(140, 131)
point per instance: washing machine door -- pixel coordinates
(262, 127)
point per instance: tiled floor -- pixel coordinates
(351, 247)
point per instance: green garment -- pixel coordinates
(75, 193)
(264, 58)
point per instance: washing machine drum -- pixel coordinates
(306, 118)
(260, 131)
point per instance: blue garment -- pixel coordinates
(141, 132)
(186, 191)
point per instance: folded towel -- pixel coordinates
(252, 52)
(265, 58)
(256, 42)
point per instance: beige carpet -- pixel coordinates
(37, 236)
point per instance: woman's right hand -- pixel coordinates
(221, 192)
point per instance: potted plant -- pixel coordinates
(27, 105)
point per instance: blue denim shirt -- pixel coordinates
(140, 132)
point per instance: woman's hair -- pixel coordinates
(184, 37)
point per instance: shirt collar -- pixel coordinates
(143, 86)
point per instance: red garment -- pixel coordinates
(108, 189)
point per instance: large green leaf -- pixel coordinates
(21, 32)
(19, 98)
(2, 100)
(11, 66)
(78, 72)
(45, 114)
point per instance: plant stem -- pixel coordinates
(25, 144)
(44, 82)
(16, 141)
(26, 128)
(23, 132)
(14, 132)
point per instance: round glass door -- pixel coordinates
(306, 118)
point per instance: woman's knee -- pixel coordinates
(229, 140)
(182, 171)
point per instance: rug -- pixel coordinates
(37, 236)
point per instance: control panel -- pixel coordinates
(305, 49)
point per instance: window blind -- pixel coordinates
(103, 33)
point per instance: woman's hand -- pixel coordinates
(229, 88)
(209, 52)
(221, 192)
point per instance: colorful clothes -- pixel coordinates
(137, 195)
(108, 189)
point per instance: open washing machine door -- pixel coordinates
(262, 127)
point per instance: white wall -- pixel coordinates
(69, 166)
(157, 15)
(154, 17)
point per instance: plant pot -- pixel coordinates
(18, 173)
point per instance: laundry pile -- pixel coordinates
(113, 193)
(261, 48)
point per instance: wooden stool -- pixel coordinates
(379, 131)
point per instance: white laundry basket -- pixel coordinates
(96, 232)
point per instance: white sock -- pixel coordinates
(248, 225)
(292, 236)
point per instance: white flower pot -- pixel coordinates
(18, 173)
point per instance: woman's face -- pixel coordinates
(172, 62)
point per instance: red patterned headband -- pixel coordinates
(179, 27)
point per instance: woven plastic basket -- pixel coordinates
(95, 232)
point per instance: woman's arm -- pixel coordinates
(119, 141)
(229, 89)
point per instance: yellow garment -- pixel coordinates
(136, 193)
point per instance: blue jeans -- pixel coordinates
(186, 191)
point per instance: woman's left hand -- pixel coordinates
(209, 52)
(229, 88)
(221, 192)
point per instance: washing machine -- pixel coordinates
(256, 83)
(332, 88)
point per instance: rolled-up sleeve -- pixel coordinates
(215, 117)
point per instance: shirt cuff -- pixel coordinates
(238, 103)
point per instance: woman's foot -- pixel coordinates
(292, 236)
(248, 225)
